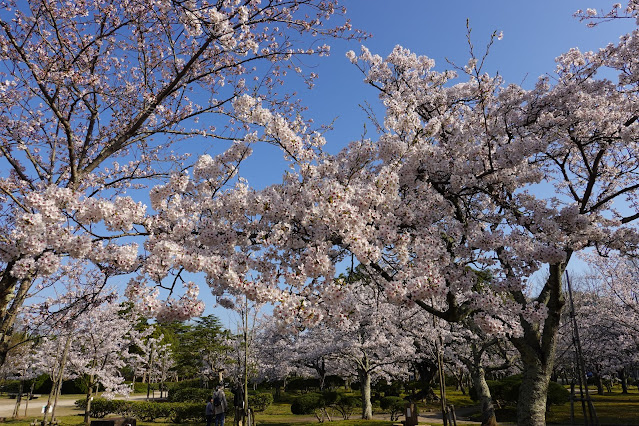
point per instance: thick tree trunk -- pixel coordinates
(12, 295)
(485, 399)
(531, 406)
(365, 384)
(600, 385)
(624, 380)
(537, 350)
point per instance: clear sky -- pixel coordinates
(534, 34)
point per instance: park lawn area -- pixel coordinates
(612, 408)
(267, 420)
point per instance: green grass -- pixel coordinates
(612, 409)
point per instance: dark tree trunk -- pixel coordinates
(427, 370)
(600, 385)
(624, 380)
(12, 295)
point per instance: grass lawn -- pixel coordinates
(612, 409)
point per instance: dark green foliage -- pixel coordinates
(333, 382)
(101, 407)
(189, 394)
(394, 405)
(557, 394)
(346, 404)
(303, 384)
(10, 386)
(307, 403)
(258, 401)
(188, 339)
(139, 387)
(182, 412)
(388, 389)
(78, 385)
(506, 391)
(191, 383)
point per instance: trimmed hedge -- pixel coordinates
(177, 412)
(189, 394)
(307, 403)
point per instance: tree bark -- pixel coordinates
(483, 394)
(600, 386)
(16, 408)
(624, 380)
(537, 349)
(26, 404)
(365, 385)
(12, 295)
(57, 383)
(87, 408)
(531, 406)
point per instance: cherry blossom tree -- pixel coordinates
(607, 334)
(21, 365)
(52, 357)
(95, 94)
(101, 349)
(152, 358)
(453, 185)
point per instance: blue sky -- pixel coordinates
(535, 33)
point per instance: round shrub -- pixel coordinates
(557, 394)
(346, 404)
(394, 405)
(259, 401)
(307, 403)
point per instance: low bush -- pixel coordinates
(346, 404)
(191, 383)
(307, 403)
(258, 401)
(182, 412)
(394, 405)
(177, 412)
(189, 394)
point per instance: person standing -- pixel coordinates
(210, 412)
(238, 403)
(219, 405)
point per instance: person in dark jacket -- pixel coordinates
(238, 403)
(219, 405)
(210, 412)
